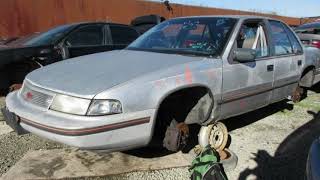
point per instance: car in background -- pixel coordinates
(144, 23)
(20, 56)
(18, 40)
(313, 163)
(309, 34)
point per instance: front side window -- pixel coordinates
(123, 35)
(252, 36)
(91, 35)
(280, 39)
(196, 36)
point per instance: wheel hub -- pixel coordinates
(216, 135)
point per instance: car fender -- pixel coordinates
(149, 91)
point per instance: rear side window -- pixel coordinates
(280, 39)
(297, 48)
(123, 35)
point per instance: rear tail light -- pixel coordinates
(316, 43)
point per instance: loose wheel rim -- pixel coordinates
(218, 136)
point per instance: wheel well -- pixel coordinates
(190, 105)
(306, 79)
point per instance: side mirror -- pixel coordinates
(245, 55)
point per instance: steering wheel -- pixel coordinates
(67, 43)
(157, 42)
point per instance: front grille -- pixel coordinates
(36, 97)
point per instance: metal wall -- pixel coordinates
(21, 17)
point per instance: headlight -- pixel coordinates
(69, 104)
(104, 107)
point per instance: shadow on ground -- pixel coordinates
(254, 116)
(289, 161)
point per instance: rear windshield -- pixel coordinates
(195, 36)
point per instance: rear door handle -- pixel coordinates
(270, 67)
(299, 62)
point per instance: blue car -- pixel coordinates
(313, 163)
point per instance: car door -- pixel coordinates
(122, 36)
(287, 60)
(86, 39)
(248, 85)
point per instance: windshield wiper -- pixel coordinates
(172, 51)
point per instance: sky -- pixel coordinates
(295, 8)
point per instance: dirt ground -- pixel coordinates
(271, 143)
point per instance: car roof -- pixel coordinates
(96, 22)
(231, 16)
(310, 25)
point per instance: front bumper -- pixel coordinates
(13, 121)
(112, 132)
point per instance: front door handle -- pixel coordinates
(270, 67)
(299, 62)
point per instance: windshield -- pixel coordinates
(196, 36)
(21, 40)
(49, 37)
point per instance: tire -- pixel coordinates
(4, 82)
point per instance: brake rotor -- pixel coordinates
(297, 94)
(218, 136)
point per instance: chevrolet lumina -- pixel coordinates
(184, 71)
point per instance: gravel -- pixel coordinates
(2, 103)
(167, 174)
(271, 143)
(13, 147)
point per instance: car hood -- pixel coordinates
(14, 54)
(89, 75)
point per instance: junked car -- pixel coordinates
(22, 55)
(189, 70)
(313, 161)
(309, 34)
